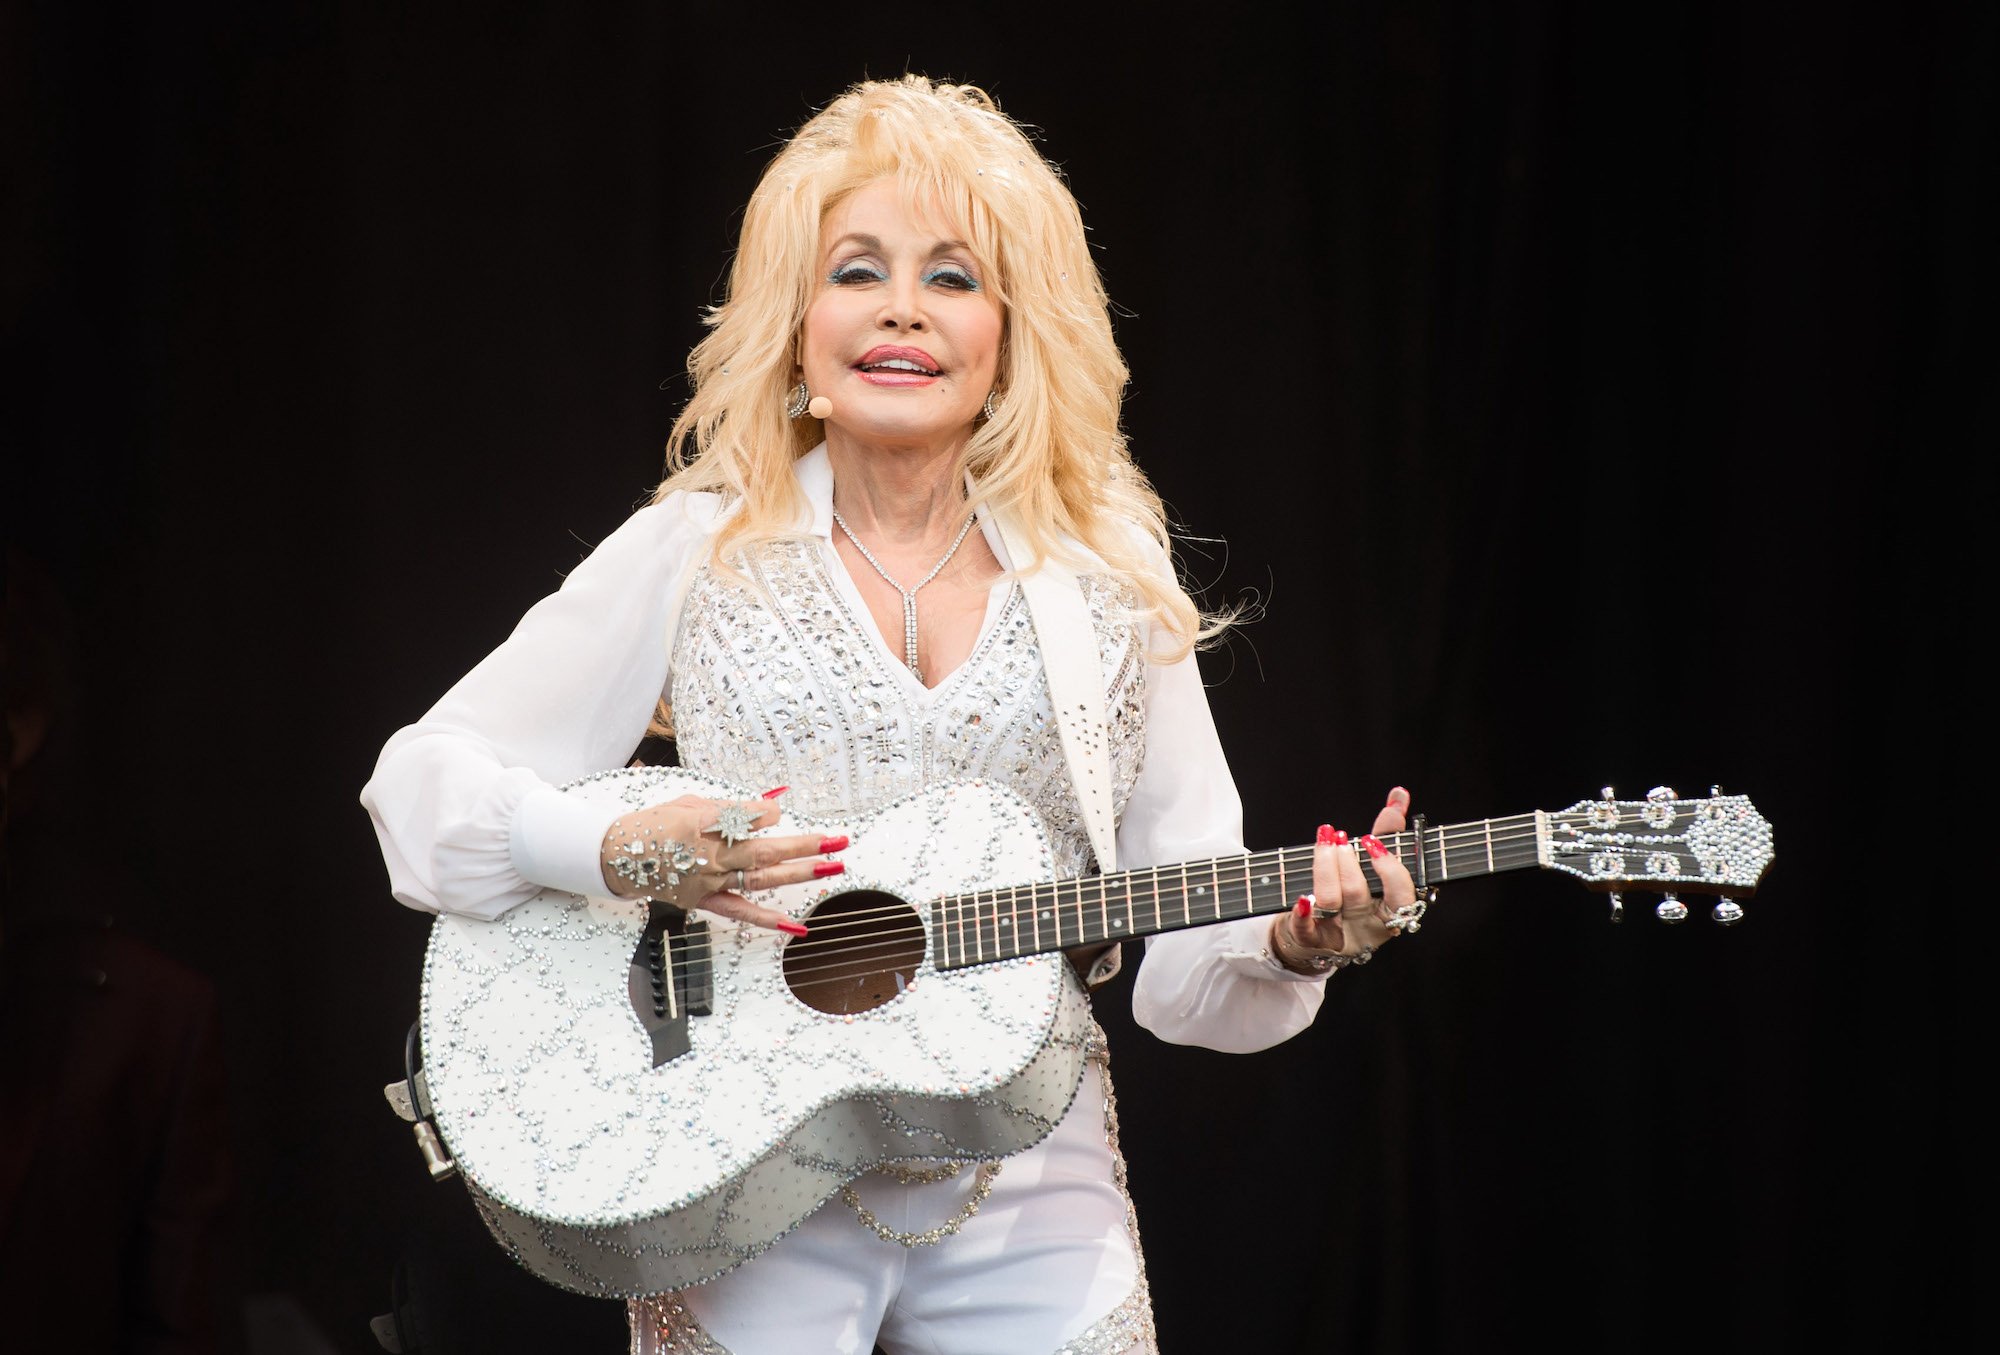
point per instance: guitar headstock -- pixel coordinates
(1717, 845)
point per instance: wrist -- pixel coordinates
(1290, 954)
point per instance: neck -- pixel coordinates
(1000, 924)
(900, 495)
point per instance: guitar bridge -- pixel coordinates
(670, 978)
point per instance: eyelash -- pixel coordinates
(853, 274)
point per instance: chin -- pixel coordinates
(898, 426)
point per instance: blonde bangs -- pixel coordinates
(1053, 456)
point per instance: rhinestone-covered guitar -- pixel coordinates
(640, 1099)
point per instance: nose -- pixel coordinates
(903, 308)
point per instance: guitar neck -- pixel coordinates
(1033, 919)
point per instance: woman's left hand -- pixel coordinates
(1344, 918)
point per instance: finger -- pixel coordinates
(1355, 898)
(787, 873)
(1394, 814)
(1325, 933)
(1398, 889)
(731, 905)
(755, 853)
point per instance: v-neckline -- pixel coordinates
(850, 597)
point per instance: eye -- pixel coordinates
(953, 277)
(855, 274)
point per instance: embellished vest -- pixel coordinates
(778, 679)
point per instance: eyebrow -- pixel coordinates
(873, 245)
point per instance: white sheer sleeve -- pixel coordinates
(1216, 986)
(463, 800)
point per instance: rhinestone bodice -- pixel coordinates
(778, 680)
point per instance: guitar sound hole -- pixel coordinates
(860, 950)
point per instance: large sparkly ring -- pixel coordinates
(1410, 917)
(733, 823)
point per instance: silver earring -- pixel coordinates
(988, 409)
(801, 397)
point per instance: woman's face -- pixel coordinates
(903, 335)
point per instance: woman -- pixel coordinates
(914, 353)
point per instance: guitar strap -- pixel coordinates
(1076, 684)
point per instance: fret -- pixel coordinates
(1077, 887)
(1187, 894)
(1487, 824)
(1158, 922)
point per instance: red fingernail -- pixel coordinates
(792, 928)
(1374, 846)
(774, 792)
(822, 869)
(1339, 838)
(833, 844)
(1325, 838)
(1305, 907)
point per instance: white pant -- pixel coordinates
(1050, 1263)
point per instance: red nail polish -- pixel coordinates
(822, 869)
(792, 928)
(1374, 846)
(1325, 838)
(774, 792)
(1305, 907)
(1339, 838)
(833, 844)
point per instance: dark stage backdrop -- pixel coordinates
(1567, 382)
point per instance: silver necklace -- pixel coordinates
(909, 594)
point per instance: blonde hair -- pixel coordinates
(1052, 457)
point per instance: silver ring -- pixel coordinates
(742, 880)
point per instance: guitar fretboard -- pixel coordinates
(1032, 919)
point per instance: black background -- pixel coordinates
(1573, 384)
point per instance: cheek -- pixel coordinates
(828, 325)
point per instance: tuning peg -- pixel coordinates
(1728, 912)
(1671, 909)
(1607, 794)
(1662, 795)
(1617, 906)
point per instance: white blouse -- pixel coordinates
(465, 805)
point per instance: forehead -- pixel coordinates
(882, 209)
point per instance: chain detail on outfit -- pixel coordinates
(982, 1186)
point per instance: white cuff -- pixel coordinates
(555, 840)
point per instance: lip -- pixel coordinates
(886, 352)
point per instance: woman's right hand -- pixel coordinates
(673, 852)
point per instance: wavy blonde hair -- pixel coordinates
(1053, 456)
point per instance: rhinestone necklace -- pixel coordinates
(909, 594)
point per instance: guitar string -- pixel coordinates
(1223, 894)
(1220, 872)
(843, 956)
(1221, 868)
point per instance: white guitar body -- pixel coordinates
(611, 1173)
